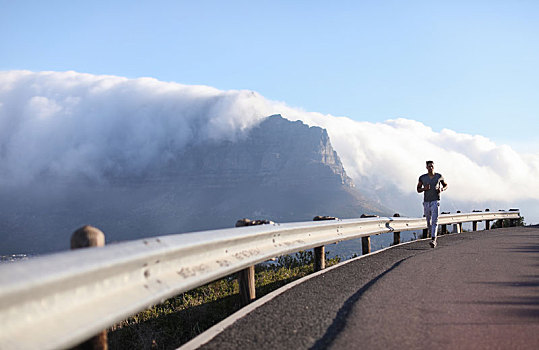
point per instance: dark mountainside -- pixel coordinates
(280, 170)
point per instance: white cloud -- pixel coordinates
(68, 124)
(72, 124)
(395, 152)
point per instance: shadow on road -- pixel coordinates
(340, 319)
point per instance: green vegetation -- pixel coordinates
(181, 318)
(507, 222)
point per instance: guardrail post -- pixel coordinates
(320, 252)
(474, 223)
(246, 277)
(319, 258)
(444, 226)
(365, 245)
(85, 237)
(366, 241)
(459, 225)
(487, 222)
(396, 235)
(246, 281)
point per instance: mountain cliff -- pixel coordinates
(279, 170)
(276, 152)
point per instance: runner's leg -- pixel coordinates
(434, 212)
(427, 212)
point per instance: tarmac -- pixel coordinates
(475, 290)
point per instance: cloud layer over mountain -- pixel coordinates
(71, 125)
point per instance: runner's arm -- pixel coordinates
(444, 186)
(420, 187)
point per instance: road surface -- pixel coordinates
(476, 290)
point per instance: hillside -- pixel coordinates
(279, 170)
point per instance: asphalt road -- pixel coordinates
(476, 290)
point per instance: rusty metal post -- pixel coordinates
(86, 237)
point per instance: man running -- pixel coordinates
(431, 184)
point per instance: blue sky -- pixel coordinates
(470, 66)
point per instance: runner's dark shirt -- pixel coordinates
(433, 194)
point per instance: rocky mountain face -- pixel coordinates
(280, 170)
(276, 152)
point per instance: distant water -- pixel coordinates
(13, 257)
(348, 249)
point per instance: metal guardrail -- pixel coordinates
(62, 299)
